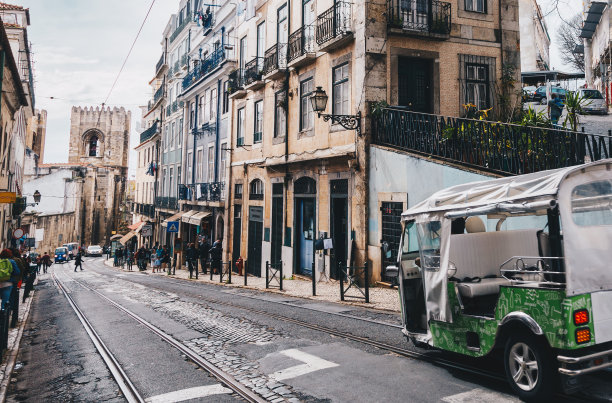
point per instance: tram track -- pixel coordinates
(126, 386)
(442, 362)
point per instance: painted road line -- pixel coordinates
(480, 395)
(311, 364)
(191, 393)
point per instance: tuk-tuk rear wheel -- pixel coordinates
(529, 367)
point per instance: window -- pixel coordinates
(478, 6)
(189, 166)
(164, 179)
(340, 90)
(477, 85)
(200, 165)
(178, 175)
(179, 134)
(261, 44)
(94, 146)
(191, 115)
(306, 114)
(223, 166)
(225, 97)
(592, 203)
(240, 128)
(171, 182)
(213, 104)
(238, 191)
(206, 107)
(256, 190)
(281, 25)
(211, 164)
(429, 242)
(258, 126)
(243, 45)
(173, 135)
(280, 114)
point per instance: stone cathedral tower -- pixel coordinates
(99, 142)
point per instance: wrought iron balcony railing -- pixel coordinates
(144, 209)
(236, 81)
(180, 27)
(275, 58)
(253, 70)
(169, 110)
(160, 63)
(212, 191)
(157, 96)
(166, 202)
(427, 16)
(184, 60)
(334, 22)
(496, 147)
(147, 134)
(204, 67)
(301, 42)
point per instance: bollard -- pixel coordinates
(314, 280)
(267, 270)
(281, 274)
(341, 273)
(367, 283)
(229, 276)
(245, 272)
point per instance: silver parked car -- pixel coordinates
(94, 250)
(594, 102)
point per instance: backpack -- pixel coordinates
(6, 269)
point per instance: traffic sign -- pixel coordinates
(147, 230)
(173, 226)
(18, 233)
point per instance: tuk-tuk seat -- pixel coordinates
(478, 257)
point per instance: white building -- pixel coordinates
(597, 50)
(535, 40)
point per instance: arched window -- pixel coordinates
(305, 185)
(94, 146)
(256, 191)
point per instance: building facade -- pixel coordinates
(597, 36)
(535, 40)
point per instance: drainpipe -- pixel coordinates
(2, 61)
(194, 133)
(217, 134)
(287, 176)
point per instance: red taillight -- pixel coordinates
(581, 317)
(583, 335)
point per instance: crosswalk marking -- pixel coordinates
(480, 395)
(190, 393)
(311, 364)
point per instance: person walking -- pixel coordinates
(555, 108)
(46, 262)
(78, 261)
(129, 258)
(165, 259)
(107, 250)
(8, 271)
(38, 263)
(204, 249)
(215, 256)
(192, 260)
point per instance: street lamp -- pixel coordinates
(318, 100)
(37, 196)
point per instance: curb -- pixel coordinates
(12, 351)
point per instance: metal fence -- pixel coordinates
(301, 42)
(274, 273)
(354, 276)
(334, 22)
(252, 70)
(492, 146)
(275, 58)
(205, 67)
(430, 16)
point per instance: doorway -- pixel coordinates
(255, 240)
(237, 232)
(391, 235)
(415, 84)
(339, 224)
(277, 223)
(305, 196)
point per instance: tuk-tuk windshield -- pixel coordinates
(592, 203)
(60, 250)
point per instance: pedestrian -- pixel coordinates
(78, 261)
(165, 259)
(216, 253)
(204, 249)
(46, 262)
(7, 271)
(119, 256)
(555, 108)
(129, 258)
(159, 253)
(107, 249)
(192, 255)
(38, 263)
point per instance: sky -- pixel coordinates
(79, 46)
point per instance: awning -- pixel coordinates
(197, 218)
(137, 226)
(593, 16)
(127, 237)
(185, 217)
(176, 217)
(118, 236)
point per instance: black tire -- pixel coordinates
(543, 101)
(534, 382)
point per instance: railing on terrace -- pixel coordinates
(301, 42)
(253, 70)
(236, 81)
(160, 63)
(147, 134)
(157, 96)
(334, 22)
(497, 147)
(182, 192)
(166, 202)
(420, 15)
(179, 29)
(144, 209)
(212, 191)
(275, 58)
(203, 68)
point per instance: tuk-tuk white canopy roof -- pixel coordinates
(538, 186)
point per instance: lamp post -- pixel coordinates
(37, 197)
(318, 101)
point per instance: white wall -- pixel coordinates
(57, 195)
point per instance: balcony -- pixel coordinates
(208, 128)
(176, 69)
(211, 192)
(235, 86)
(334, 26)
(166, 203)
(147, 134)
(301, 46)
(156, 97)
(144, 209)
(420, 18)
(252, 74)
(184, 62)
(208, 21)
(180, 27)
(275, 61)
(169, 110)
(204, 68)
(160, 64)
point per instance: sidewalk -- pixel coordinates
(386, 299)
(14, 339)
